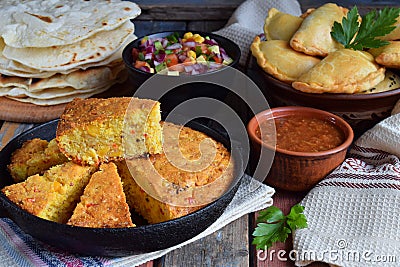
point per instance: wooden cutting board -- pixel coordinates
(15, 111)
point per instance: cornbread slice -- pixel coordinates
(53, 195)
(34, 157)
(103, 204)
(178, 178)
(94, 130)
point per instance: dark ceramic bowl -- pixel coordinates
(187, 91)
(361, 111)
(299, 171)
(111, 241)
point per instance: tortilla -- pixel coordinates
(38, 23)
(12, 68)
(79, 79)
(59, 100)
(57, 58)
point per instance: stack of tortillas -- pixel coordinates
(54, 51)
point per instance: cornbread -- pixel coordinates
(53, 195)
(93, 130)
(103, 203)
(34, 157)
(177, 180)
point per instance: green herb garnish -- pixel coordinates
(356, 36)
(273, 226)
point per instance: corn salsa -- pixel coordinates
(301, 134)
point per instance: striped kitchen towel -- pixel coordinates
(353, 214)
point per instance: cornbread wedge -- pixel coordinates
(103, 204)
(52, 196)
(34, 157)
(93, 130)
(217, 174)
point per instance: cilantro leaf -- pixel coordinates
(273, 226)
(345, 32)
(361, 36)
(296, 219)
(267, 234)
(270, 215)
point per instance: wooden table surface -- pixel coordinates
(230, 246)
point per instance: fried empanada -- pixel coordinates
(343, 71)
(280, 26)
(391, 81)
(388, 55)
(314, 35)
(277, 58)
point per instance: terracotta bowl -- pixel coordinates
(298, 171)
(361, 111)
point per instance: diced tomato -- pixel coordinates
(171, 60)
(217, 59)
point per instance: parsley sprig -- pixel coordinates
(374, 24)
(273, 226)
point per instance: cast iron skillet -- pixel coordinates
(108, 242)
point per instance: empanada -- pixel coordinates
(280, 26)
(388, 55)
(314, 35)
(391, 81)
(277, 58)
(343, 71)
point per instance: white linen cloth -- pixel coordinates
(353, 214)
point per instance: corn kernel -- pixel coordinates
(191, 54)
(197, 38)
(187, 35)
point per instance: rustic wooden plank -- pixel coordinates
(363, 5)
(11, 129)
(205, 26)
(226, 247)
(144, 27)
(187, 10)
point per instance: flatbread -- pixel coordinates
(343, 71)
(38, 23)
(314, 35)
(79, 79)
(277, 58)
(61, 99)
(12, 68)
(280, 26)
(57, 58)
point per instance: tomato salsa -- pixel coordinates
(190, 54)
(301, 134)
